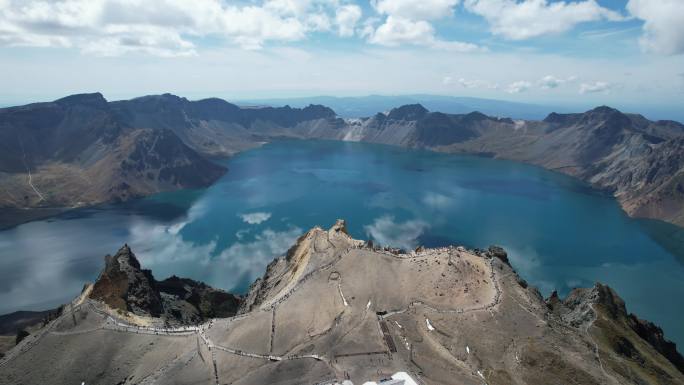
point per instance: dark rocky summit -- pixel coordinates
(124, 286)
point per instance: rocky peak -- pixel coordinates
(124, 285)
(474, 116)
(340, 226)
(576, 308)
(408, 112)
(581, 306)
(608, 116)
(318, 111)
(561, 119)
(498, 252)
(94, 100)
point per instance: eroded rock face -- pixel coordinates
(124, 285)
(498, 252)
(209, 302)
(584, 306)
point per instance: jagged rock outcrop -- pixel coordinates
(622, 333)
(209, 302)
(125, 286)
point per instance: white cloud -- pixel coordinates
(165, 27)
(407, 23)
(396, 31)
(166, 253)
(437, 201)
(550, 81)
(415, 10)
(251, 258)
(346, 19)
(595, 87)
(518, 20)
(663, 24)
(255, 218)
(518, 87)
(476, 83)
(386, 231)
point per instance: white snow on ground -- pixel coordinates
(397, 376)
(404, 376)
(479, 373)
(467, 349)
(429, 325)
(368, 305)
(400, 327)
(344, 300)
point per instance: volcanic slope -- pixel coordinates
(334, 309)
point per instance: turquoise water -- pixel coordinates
(559, 233)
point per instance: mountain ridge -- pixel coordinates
(637, 160)
(334, 308)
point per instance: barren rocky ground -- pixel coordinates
(334, 309)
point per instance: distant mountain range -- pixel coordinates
(364, 106)
(84, 150)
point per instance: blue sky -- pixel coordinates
(619, 52)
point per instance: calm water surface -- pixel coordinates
(559, 233)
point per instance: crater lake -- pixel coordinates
(559, 232)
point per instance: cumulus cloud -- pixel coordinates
(255, 218)
(663, 24)
(407, 22)
(519, 20)
(549, 81)
(595, 87)
(518, 87)
(166, 27)
(475, 83)
(346, 18)
(386, 231)
(396, 31)
(415, 10)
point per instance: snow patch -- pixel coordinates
(429, 325)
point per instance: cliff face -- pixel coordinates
(77, 151)
(124, 286)
(639, 345)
